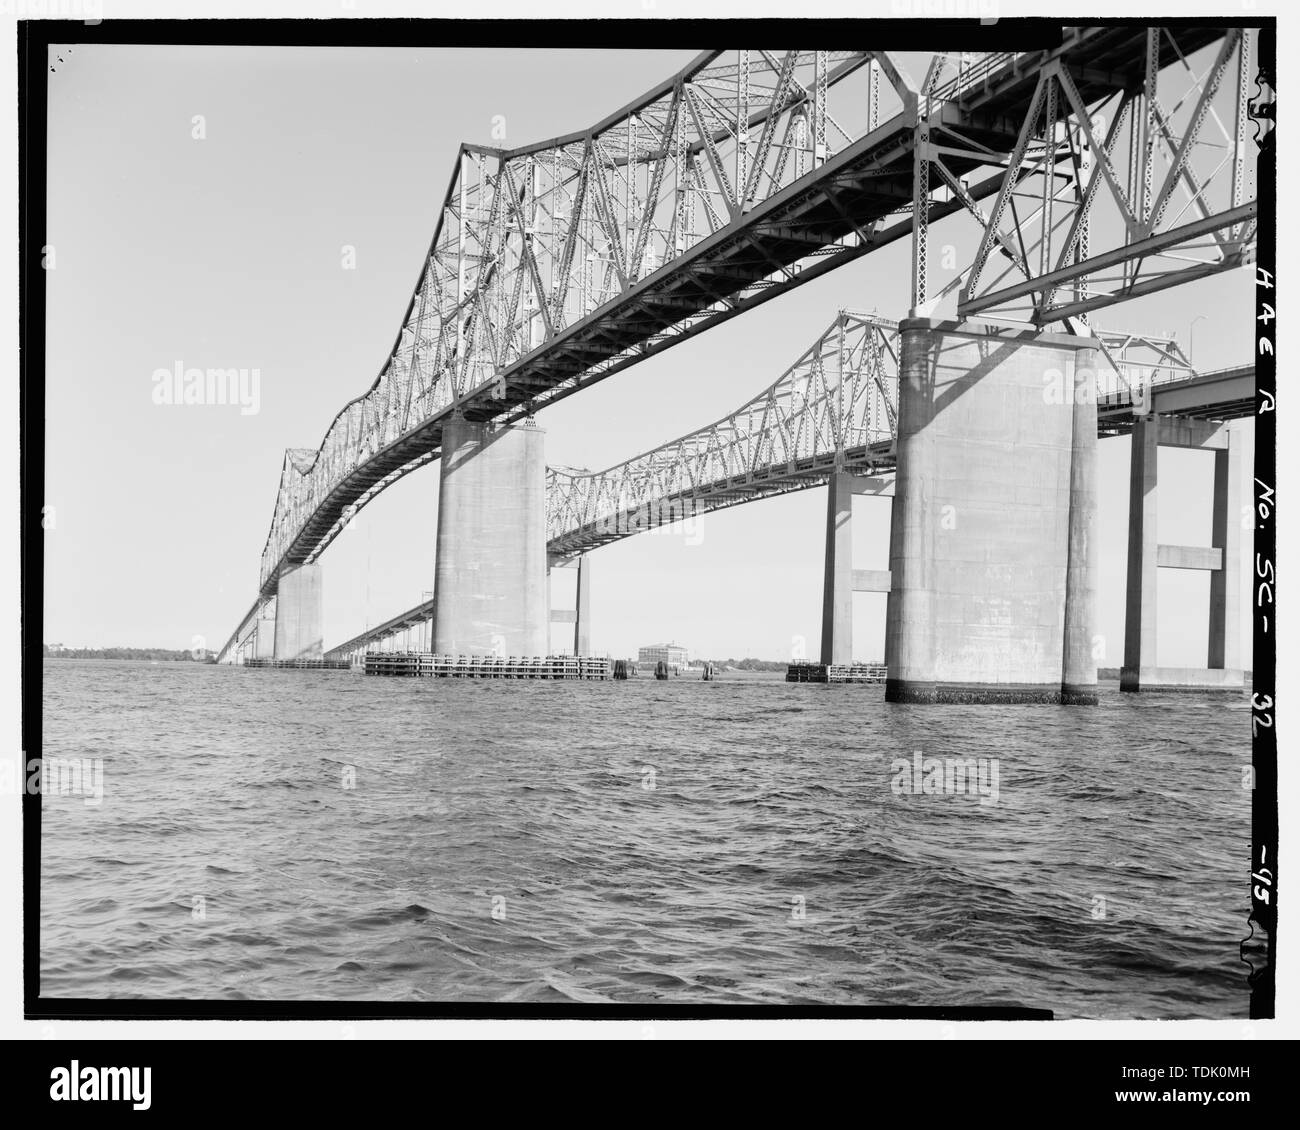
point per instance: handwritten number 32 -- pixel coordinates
(1267, 720)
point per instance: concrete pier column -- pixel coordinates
(1145, 555)
(1225, 582)
(263, 644)
(489, 592)
(1079, 666)
(837, 592)
(980, 539)
(550, 613)
(299, 630)
(909, 640)
(1140, 593)
(582, 625)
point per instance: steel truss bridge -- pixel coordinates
(834, 409)
(1112, 167)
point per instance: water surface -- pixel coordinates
(323, 835)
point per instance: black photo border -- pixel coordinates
(1258, 948)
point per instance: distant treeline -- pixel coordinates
(159, 653)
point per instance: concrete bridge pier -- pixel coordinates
(264, 634)
(582, 625)
(1078, 655)
(580, 615)
(489, 593)
(1222, 559)
(992, 554)
(299, 632)
(842, 580)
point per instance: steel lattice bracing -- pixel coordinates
(833, 409)
(747, 174)
(1130, 173)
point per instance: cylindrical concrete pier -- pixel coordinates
(837, 590)
(490, 574)
(1140, 592)
(909, 639)
(582, 603)
(1079, 664)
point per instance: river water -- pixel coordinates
(268, 835)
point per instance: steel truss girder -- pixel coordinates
(837, 404)
(1058, 157)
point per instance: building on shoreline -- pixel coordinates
(673, 654)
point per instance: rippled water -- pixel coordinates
(637, 842)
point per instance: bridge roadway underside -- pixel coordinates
(859, 191)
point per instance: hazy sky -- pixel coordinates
(226, 252)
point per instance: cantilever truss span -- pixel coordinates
(834, 408)
(751, 172)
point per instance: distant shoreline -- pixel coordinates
(158, 654)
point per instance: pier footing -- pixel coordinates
(428, 665)
(835, 673)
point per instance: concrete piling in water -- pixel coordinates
(1079, 662)
(992, 581)
(490, 574)
(299, 631)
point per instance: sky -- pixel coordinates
(227, 251)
